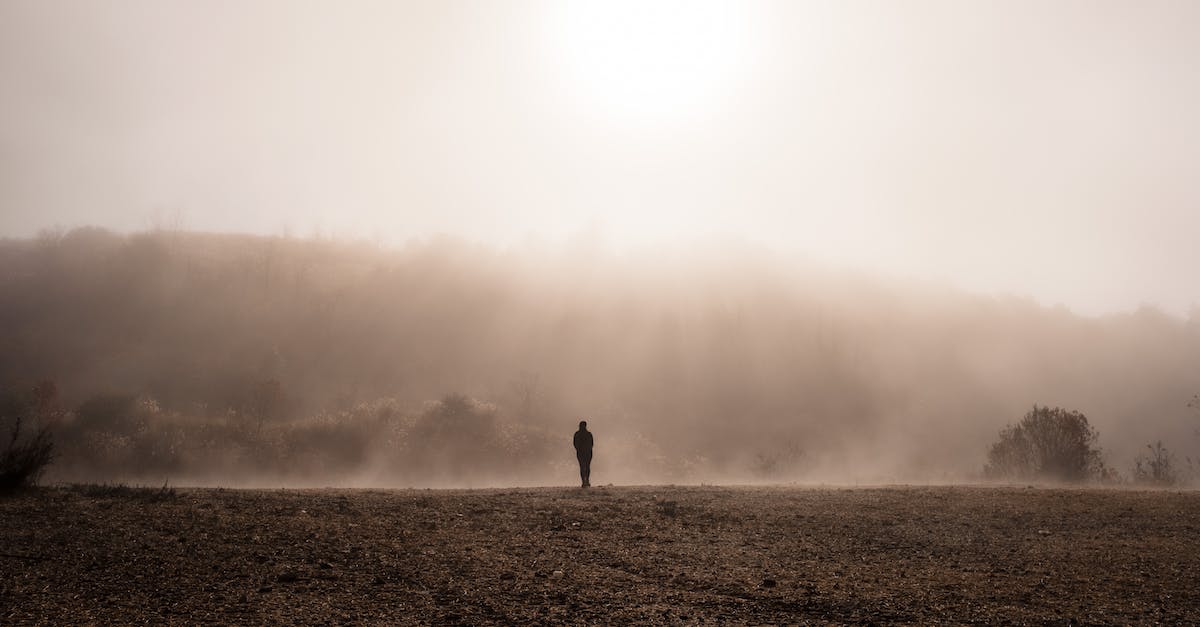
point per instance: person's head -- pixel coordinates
(583, 425)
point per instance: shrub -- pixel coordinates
(24, 457)
(781, 461)
(1157, 467)
(332, 441)
(121, 433)
(1048, 444)
(458, 423)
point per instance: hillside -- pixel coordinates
(725, 363)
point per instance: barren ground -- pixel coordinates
(606, 555)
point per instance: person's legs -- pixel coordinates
(585, 470)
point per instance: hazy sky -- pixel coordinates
(1049, 149)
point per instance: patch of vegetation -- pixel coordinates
(781, 461)
(29, 448)
(1157, 467)
(1049, 444)
(146, 494)
(129, 438)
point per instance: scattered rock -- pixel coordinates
(558, 574)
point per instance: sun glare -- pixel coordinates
(651, 62)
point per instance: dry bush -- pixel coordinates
(25, 456)
(337, 441)
(1156, 467)
(780, 461)
(1048, 444)
(460, 438)
(24, 460)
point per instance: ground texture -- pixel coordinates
(609, 555)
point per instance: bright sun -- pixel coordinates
(651, 62)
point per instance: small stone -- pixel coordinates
(558, 574)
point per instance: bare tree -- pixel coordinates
(527, 388)
(1157, 467)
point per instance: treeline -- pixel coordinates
(452, 441)
(203, 355)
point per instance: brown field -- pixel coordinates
(610, 555)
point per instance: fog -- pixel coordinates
(413, 243)
(249, 360)
(1023, 147)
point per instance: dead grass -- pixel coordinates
(123, 491)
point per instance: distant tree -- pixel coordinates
(266, 402)
(1048, 444)
(47, 409)
(526, 388)
(1157, 467)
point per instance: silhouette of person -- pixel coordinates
(583, 452)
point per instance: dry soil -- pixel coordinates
(608, 555)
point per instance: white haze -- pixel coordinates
(1048, 149)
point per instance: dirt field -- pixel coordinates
(606, 555)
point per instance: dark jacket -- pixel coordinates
(583, 443)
